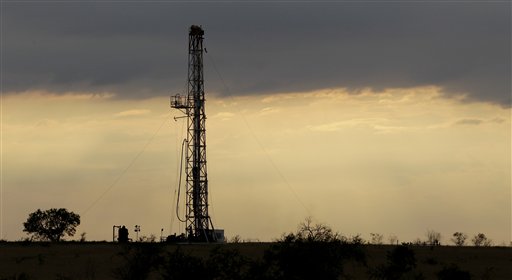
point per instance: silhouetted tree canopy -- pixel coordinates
(453, 272)
(401, 264)
(51, 224)
(433, 238)
(140, 260)
(481, 240)
(315, 251)
(459, 238)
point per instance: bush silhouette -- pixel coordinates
(453, 272)
(433, 238)
(314, 252)
(179, 265)
(481, 240)
(401, 264)
(459, 238)
(227, 264)
(140, 260)
(306, 260)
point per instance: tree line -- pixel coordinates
(314, 251)
(54, 224)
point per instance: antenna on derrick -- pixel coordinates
(199, 226)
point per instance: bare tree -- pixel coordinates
(433, 238)
(83, 237)
(356, 239)
(418, 242)
(315, 232)
(481, 240)
(376, 238)
(236, 239)
(459, 238)
(393, 239)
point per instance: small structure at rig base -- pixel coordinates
(219, 235)
(199, 226)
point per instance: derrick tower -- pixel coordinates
(199, 226)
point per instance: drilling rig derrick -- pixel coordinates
(199, 226)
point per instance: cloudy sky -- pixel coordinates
(377, 116)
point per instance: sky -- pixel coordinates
(372, 117)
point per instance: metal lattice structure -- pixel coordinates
(199, 226)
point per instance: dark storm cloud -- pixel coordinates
(139, 49)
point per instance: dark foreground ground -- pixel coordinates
(107, 260)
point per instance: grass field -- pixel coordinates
(91, 260)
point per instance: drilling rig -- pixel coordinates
(199, 226)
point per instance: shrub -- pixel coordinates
(393, 239)
(481, 240)
(315, 251)
(453, 272)
(433, 238)
(400, 264)
(179, 265)
(459, 238)
(140, 260)
(308, 231)
(227, 264)
(303, 259)
(376, 238)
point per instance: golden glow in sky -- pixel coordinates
(400, 162)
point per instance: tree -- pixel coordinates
(315, 251)
(82, 237)
(51, 224)
(433, 238)
(376, 238)
(401, 264)
(459, 238)
(180, 265)
(139, 261)
(226, 263)
(236, 239)
(315, 232)
(481, 240)
(453, 272)
(393, 239)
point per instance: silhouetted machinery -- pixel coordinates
(199, 226)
